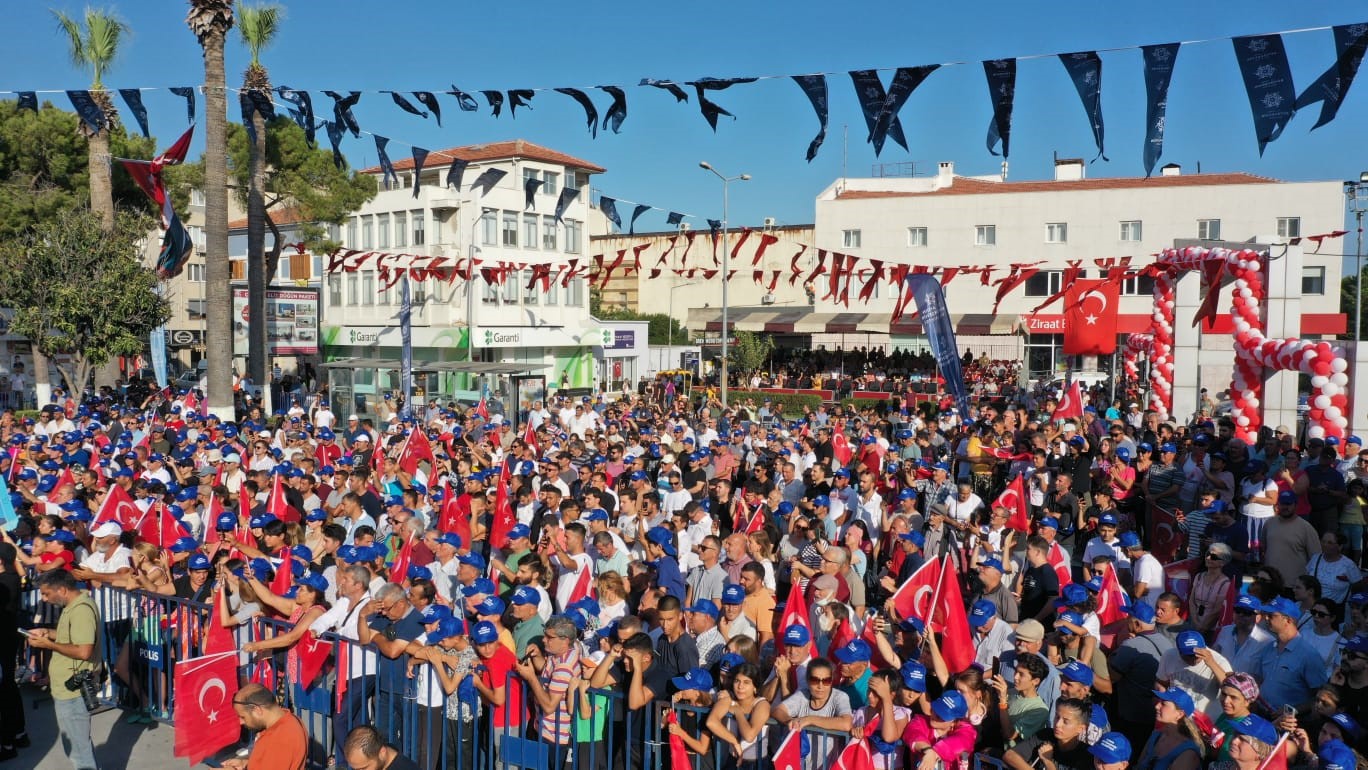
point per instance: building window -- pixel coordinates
(489, 228)
(916, 236)
(334, 232)
(352, 294)
(367, 232)
(1057, 232)
(572, 236)
(529, 174)
(985, 235)
(1209, 229)
(1313, 279)
(195, 309)
(334, 290)
(283, 271)
(367, 287)
(382, 231)
(550, 182)
(419, 222)
(510, 229)
(531, 223)
(490, 293)
(197, 197)
(194, 272)
(850, 239)
(575, 296)
(1138, 286)
(1130, 231)
(352, 243)
(1044, 283)
(510, 288)
(575, 180)
(1289, 227)
(553, 291)
(530, 288)
(419, 294)
(549, 233)
(400, 230)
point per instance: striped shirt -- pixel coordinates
(555, 677)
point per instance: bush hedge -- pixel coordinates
(788, 405)
(21, 414)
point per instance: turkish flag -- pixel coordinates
(1112, 604)
(160, 528)
(584, 588)
(530, 438)
(679, 754)
(1167, 539)
(757, 519)
(402, 560)
(948, 617)
(790, 753)
(1013, 498)
(1070, 404)
(855, 756)
(284, 574)
(1277, 759)
(453, 518)
(204, 718)
(871, 637)
(913, 597)
(1090, 318)
(1005, 453)
(416, 448)
(840, 447)
(1212, 272)
(119, 508)
(1061, 565)
(504, 516)
(313, 654)
(277, 505)
(217, 638)
(795, 614)
(65, 479)
(482, 409)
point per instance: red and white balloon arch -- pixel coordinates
(1325, 363)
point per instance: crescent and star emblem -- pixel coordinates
(1091, 318)
(210, 685)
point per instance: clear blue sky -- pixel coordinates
(425, 45)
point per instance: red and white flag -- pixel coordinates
(416, 448)
(278, 505)
(583, 589)
(504, 516)
(795, 614)
(119, 508)
(840, 446)
(790, 753)
(160, 528)
(217, 638)
(1090, 318)
(1013, 498)
(679, 753)
(913, 598)
(949, 618)
(855, 756)
(1057, 559)
(757, 519)
(1070, 404)
(1112, 604)
(204, 718)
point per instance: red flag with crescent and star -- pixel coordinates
(1070, 404)
(855, 756)
(416, 448)
(1013, 498)
(205, 721)
(504, 517)
(1111, 600)
(278, 505)
(119, 508)
(1060, 561)
(679, 753)
(790, 753)
(1168, 539)
(795, 614)
(1090, 318)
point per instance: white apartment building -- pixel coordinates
(950, 220)
(547, 329)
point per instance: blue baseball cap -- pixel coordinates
(663, 538)
(693, 679)
(1078, 672)
(478, 587)
(63, 536)
(525, 595)
(418, 572)
(1068, 617)
(1072, 594)
(1336, 755)
(1282, 606)
(1108, 520)
(1178, 697)
(797, 635)
(317, 514)
(433, 613)
(706, 607)
(1168, 448)
(855, 651)
(473, 559)
(982, 612)
(1247, 602)
(1111, 748)
(1189, 642)
(313, 580)
(226, 522)
(729, 661)
(451, 626)
(449, 538)
(913, 676)
(1256, 727)
(596, 514)
(1347, 724)
(950, 706)
(198, 561)
(1048, 521)
(519, 531)
(1130, 540)
(821, 501)
(1142, 611)
(916, 538)
(733, 594)
(1287, 497)
(992, 562)
(492, 605)
(484, 632)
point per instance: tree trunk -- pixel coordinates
(256, 254)
(102, 203)
(218, 273)
(42, 387)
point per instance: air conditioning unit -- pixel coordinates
(770, 222)
(685, 227)
(768, 299)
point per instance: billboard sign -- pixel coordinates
(291, 321)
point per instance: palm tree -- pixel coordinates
(94, 47)
(257, 26)
(210, 20)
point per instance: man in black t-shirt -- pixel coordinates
(1039, 583)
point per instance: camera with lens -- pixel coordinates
(85, 683)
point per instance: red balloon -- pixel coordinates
(1316, 414)
(1321, 367)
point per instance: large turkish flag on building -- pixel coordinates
(1090, 318)
(205, 721)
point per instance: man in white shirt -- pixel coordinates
(1147, 574)
(108, 561)
(323, 417)
(1196, 668)
(344, 618)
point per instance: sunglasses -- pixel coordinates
(1321, 614)
(825, 680)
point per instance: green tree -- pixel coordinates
(1348, 289)
(257, 26)
(750, 351)
(93, 47)
(210, 20)
(80, 289)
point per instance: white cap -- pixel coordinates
(232, 458)
(107, 529)
(351, 417)
(264, 434)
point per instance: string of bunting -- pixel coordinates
(1262, 61)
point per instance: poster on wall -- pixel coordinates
(291, 321)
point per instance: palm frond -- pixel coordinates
(102, 44)
(76, 38)
(258, 25)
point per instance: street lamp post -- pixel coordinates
(726, 264)
(1352, 190)
(670, 328)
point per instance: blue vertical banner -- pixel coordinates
(156, 343)
(8, 516)
(1268, 82)
(926, 291)
(1085, 70)
(1159, 60)
(406, 343)
(1001, 75)
(1332, 86)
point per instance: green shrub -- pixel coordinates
(787, 405)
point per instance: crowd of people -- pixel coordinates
(549, 581)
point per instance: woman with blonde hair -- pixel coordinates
(612, 597)
(1254, 739)
(1210, 590)
(1176, 742)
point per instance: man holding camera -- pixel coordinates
(74, 668)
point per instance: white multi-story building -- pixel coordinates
(547, 329)
(949, 220)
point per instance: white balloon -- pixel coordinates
(1321, 402)
(1315, 431)
(1339, 364)
(1332, 412)
(1330, 389)
(1318, 382)
(1339, 378)
(1342, 422)
(1252, 403)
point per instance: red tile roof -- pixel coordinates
(968, 186)
(476, 153)
(289, 215)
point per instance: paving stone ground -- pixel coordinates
(118, 746)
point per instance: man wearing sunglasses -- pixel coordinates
(280, 743)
